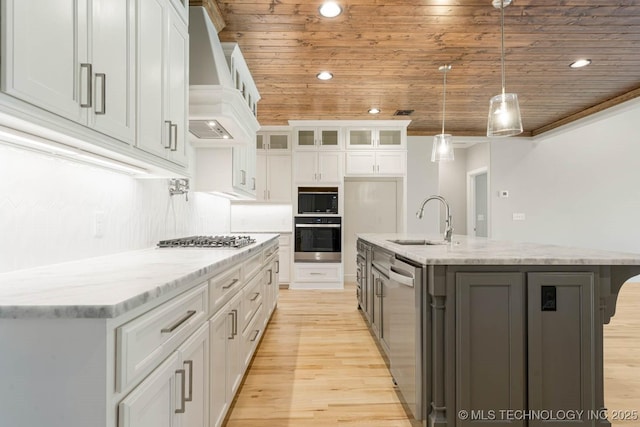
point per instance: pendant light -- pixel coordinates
(442, 146)
(504, 112)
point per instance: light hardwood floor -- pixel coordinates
(318, 365)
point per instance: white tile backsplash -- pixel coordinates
(48, 207)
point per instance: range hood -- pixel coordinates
(222, 94)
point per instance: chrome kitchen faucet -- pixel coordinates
(448, 229)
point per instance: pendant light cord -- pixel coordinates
(444, 97)
(502, 44)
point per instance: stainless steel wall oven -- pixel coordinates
(318, 239)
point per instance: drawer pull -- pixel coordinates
(317, 274)
(179, 322)
(278, 266)
(255, 335)
(181, 409)
(189, 363)
(255, 296)
(270, 277)
(233, 282)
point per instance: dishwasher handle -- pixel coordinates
(403, 279)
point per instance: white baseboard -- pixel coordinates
(316, 285)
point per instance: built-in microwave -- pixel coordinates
(317, 200)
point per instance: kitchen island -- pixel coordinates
(507, 332)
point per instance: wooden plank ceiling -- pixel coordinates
(386, 54)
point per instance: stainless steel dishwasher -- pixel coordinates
(404, 298)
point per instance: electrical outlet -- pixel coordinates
(503, 194)
(98, 224)
(519, 216)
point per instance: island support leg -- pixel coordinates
(437, 292)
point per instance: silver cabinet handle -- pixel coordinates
(270, 277)
(243, 180)
(235, 322)
(89, 75)
(269, 194)
(255, 335)
(277, 266)
(319, 177)
(189, 363)
(264, 194)
(316, 274)
(168, 122)
(232, 328)
(233, 282)
(173, 142)
(178, 322)
(181, 409)
(253, 185)
(255, 296)
(103, 93)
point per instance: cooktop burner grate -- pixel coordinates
(207, 242)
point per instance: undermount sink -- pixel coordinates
(414, 242)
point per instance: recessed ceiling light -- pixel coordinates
(330, 9)
(580, 63)
(324, 75)
(374, 110)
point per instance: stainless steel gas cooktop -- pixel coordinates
(207, 242)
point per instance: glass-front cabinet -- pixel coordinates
(318, 138)
(380, 138)
(273, 141)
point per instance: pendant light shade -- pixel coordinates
(504, 112)
(442, 146)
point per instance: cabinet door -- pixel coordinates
(490, 358)
(389, 138)
(153, 402)
(235, 367)
(47, 43)
(261, 176)
(330, 166)
(561, 346)
(305, 166)
(360, 138)
(360, 163)
(279, 142)
(195, 362)
(152, 131)
(284, 265)
(306, 138)
(390, 163)
(176, 86)
(279, 187)
(329, 138)
(240, 172)
(112, 55)
(220, 332)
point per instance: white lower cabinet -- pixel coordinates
(175, 394)
(283, 264)
(225, 372)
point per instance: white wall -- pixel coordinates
(453, 187)
(48, 206)
(579, 185)
(422, 181)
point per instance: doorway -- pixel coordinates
(478, 202)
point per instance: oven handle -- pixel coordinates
(318, 225)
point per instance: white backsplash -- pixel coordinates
(48, 209)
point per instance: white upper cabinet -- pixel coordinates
(318, 167)
(75, 59)
(273, 171)
(376, 163)
(163, 49)
(314, 138)
(378, 138)
(273, 141)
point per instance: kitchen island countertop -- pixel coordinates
(465, 250)
(109, 286)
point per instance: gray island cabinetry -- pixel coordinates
(509, 333)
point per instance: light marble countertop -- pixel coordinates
(465, 250)
(109, 286)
